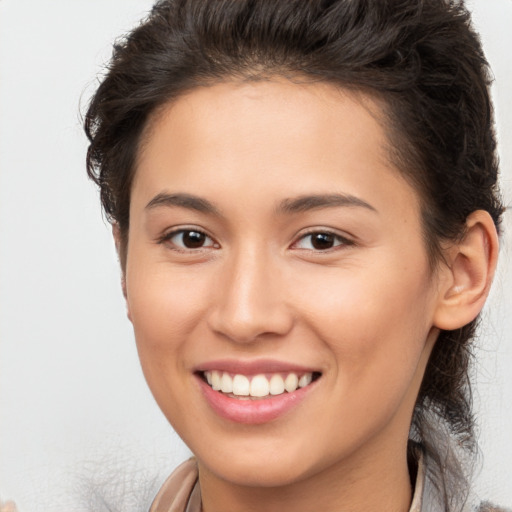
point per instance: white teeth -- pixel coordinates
(305, 380)
(258, 386)
(241, 385)
(226, 383)
(216, 380)
(276, 385)
(291, 382)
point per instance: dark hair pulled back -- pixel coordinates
(420, 58)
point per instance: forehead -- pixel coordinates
(275, 100)
(275, 135)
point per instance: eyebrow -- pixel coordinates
(188, 201)
(287, 206)
(313, 202)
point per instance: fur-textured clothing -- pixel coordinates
(181, 493)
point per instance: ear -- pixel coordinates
(116, 233)
(467, 273)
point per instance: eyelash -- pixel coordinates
(341, 240)
(169, 236)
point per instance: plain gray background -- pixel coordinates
(76, 418)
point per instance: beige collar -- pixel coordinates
(181, 492)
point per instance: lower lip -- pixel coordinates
(252, 412)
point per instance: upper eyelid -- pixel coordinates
(168, 234)
(346, 241)
(342, 236)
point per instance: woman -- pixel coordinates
(304, 200)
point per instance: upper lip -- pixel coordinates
(254, 367)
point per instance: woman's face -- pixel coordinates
(271, 241)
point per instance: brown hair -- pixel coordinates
(422, 58)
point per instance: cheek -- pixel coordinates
(376, 335)
(165, 306)
(166, 310)
(374, 321)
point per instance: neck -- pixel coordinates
(375, 481)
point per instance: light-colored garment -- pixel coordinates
(181, 492)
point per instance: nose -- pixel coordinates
(250, 301)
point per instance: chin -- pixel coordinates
(265, 466)
(259, 473)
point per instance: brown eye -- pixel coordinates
(190, 239)
(193, 239)
(321, 241)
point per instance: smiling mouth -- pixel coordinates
(257, 387)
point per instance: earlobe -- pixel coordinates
(468, 273)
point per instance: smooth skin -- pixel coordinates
(360, 303)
